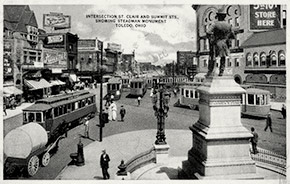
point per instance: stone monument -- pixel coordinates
(220, 143)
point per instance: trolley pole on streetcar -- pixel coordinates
(101, 123)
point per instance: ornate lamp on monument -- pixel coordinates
(160, 111)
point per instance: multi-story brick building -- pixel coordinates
(250, 45)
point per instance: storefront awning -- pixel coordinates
(200, 75)
(57, 83)
(12, 90)
(74, 78)
(34, 84)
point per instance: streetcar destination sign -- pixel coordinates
(265, 17)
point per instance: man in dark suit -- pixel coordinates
(268, 123)
(254, 140)
(104, 160)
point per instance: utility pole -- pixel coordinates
(173, 74)
(100, 47)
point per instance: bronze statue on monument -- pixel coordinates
(219, 34)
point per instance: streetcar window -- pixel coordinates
(196, 94)
(260, 100)
(182, 91)
(31, 117)
(68, 106)
(55, 110)
(93, 99)
(79, 104)
(60, 110)
(83, 103)
(73, 106)
(186, 93)
(89, 100)
(113, 86)
(131, 85)
(38, 116)
(140, 85)
(250, 99)
(191, 94)
(64, 109)
(48, 114)
(25, 117)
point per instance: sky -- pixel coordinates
(156, 42)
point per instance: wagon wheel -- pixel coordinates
(33, 165)
(45, 159)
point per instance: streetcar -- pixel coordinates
(138, 87)
(256, 103)
(114, 87)
(188, 95)
(167, 81)
(125, 81)
(44, 124)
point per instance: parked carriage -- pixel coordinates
(45, 123)
(114, 87)
(138, 87)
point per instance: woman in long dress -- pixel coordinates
(113, 110)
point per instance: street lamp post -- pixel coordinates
(101, 124)
(161, 111)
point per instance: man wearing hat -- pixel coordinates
(104, 162)
(122, 112)
(220, 34)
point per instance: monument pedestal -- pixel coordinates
(220, 143)
(162, 152)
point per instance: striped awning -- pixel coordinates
(57, 83)
(12, 90)
(34, 84)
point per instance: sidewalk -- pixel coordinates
(127, 145)
(277, 105)
(18, 110)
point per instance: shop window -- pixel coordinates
(256, 59)
(248, 59)
(273, 58)
(237, 62)
(250, 99)
(205, 63)
(281, 58)
(263, 59)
